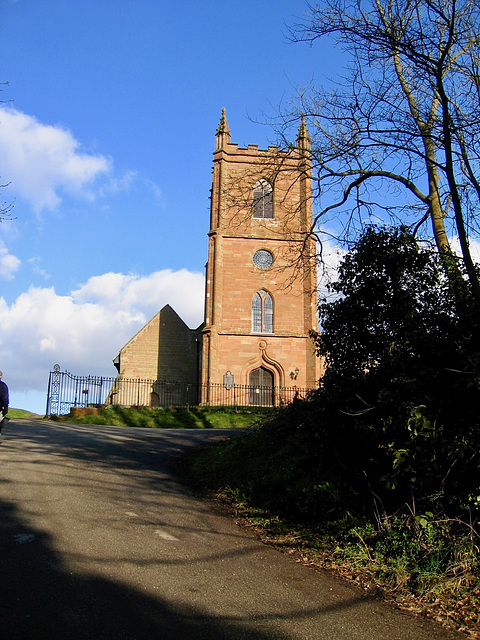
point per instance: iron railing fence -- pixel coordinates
(245, 395)
(66, 391)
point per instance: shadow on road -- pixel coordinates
(42, 598)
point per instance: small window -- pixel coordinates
(262, 312)
(262, 199)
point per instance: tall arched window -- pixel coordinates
(262, 312)
(263, 199)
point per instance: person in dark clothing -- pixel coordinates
(3, 403)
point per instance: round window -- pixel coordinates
(263, 259)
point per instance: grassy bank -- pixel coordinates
(169, 418)
(20, 413)
(424, 564)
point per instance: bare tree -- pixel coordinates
(399, 135)
(5, 207)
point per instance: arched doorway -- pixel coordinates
(260, 391)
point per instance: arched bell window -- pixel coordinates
(262, 312)
(263, 199)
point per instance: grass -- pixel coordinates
(21, 413)
(169, 418)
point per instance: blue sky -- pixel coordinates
(107, 136)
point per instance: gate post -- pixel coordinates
(53, 389)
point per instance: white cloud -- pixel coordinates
(474, 248)
(35, 262)
(183, 290)
(84, 331)
(42, 162)
(333, 255)
(331, 258)
(115, 185)
(9, 263)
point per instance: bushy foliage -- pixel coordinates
(401, 384)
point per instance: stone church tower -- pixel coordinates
(261, 300)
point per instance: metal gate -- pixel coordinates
(66, 390)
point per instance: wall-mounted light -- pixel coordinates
(294, 374)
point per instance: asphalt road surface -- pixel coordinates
(99, 540)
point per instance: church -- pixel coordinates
(260, 293)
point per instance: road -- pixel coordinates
(99, 540)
